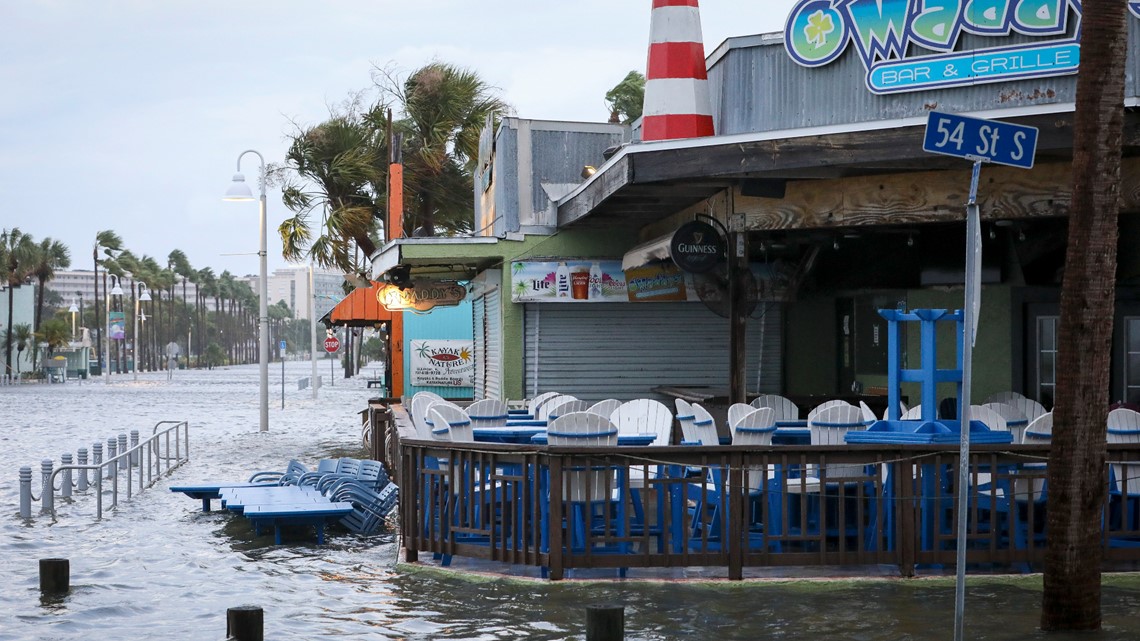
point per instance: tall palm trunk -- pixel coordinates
(8, 335)
(1077, 476)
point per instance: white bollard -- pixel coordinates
(65, 476)
(81, 483)
(134, 444)
(47, 496)
(25, 492)
(124, 462)
(112, 449)
(97, 459)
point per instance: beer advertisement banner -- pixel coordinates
(443, 363)
(568, 281)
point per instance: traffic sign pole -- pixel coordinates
(979, 141)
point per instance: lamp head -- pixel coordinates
(116, 290)
(73, 309)
(144, 291)
(239, 191)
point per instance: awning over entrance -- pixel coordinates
(358, 309)
(647, 252)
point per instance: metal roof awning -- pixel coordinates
(438, 258)
(647, 252)
(359, 309)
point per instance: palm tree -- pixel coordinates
(21, 338)
(445, 108)
(207, 288)
(1077, 475)
(54, 333)
(338, 168)
(627, 99)
(15, 250)
(49, 256)
(181, 265)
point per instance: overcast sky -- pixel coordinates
(130, 114)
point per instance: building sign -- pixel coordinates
(443, 363)
(421, 296)
(656, 282)
(661, 281)
(886, 34)
(568, 281)
(696, 247)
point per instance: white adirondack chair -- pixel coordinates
(704, 427)
(419, 407)
(605, 408)
(488, 412)
(736, 411)
(450, 422)
(585, 429)
(644, 416)
(756, 428)
(912, 414)
(828, 424)
(1039, 430)
(1124, 427)
(554, 410)
(685, 418)
(783, 409)
(1015, 419)
(868, 413)
(537, 401)
(542, 412)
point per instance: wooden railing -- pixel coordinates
(734, 507)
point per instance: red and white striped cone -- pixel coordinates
(676, 89)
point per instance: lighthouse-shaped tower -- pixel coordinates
(676, 89)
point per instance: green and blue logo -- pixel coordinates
(818, 32)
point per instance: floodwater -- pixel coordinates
(157, 567)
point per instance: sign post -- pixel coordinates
(332, 344)
(980, 141)
(281, 350)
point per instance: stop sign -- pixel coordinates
(332, 344)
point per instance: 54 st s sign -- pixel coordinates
(993, 141)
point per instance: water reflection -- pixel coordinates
(159, 568)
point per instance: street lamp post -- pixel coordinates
(142, 293)
(239, 191)
(313, 331)
(116, 290)
(74, 310)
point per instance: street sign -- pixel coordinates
(282, 346)
(979, 139)
(332, 344)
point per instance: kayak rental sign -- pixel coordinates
(887, 33)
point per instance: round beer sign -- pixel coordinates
(696, 247)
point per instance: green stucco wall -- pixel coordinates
(810, 351)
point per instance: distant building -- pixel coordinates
(292, 286)
(79, 284)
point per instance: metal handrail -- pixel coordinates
(153, 457)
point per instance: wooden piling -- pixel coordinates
(245, 623)
(605, 623)
(55, 576)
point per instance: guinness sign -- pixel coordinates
(696, 247)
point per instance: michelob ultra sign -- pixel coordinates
(886, 33)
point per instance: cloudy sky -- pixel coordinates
(130, 114)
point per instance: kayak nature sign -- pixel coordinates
(443, 363)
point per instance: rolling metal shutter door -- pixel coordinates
(479, 336)
(622, 351)
(488, 345)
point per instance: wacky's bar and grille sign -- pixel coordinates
(443, 363)
(887, 33)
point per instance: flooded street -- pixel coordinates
(157, 567)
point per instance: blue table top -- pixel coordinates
(303, 510)
(925, 432)
(623, 439)
(505, 434)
